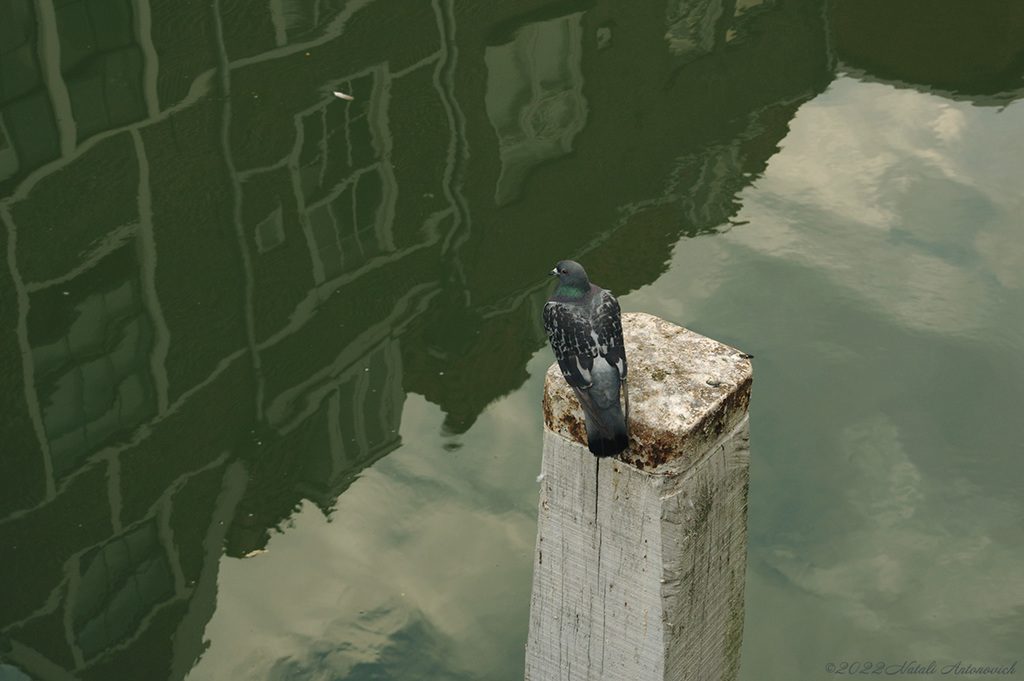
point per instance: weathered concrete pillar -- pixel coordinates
(640, 563)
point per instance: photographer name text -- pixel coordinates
(958, 668)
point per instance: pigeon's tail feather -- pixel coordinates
(607, 432)
(600, 446)
(610, 441)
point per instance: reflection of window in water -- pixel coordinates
(100, 73)
(345, 177)
(269, 232)
(27, 123)
(535, 97)
(119, 584)
(9, 163)
(102, 63)
(345, 228)
(91, 341)
(356, 424)
(299, 19)
(28, 132)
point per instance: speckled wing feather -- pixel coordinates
(586, 333)
(608, 323)
(568, 328)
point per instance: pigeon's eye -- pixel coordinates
(565, 271)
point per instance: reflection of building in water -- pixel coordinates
(92, 340)
(368, 398)
(535, 97)
(697, 27)
(329, 428)
(119, 583)
(223, 279)
(69, 71)
(347, 189)
(190, 373)
(963, 52)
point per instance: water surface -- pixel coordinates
(272, 359)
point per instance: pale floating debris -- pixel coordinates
(342, 95)
(540, 478)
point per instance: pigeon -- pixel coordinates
(584, 326)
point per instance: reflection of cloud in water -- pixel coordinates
(401, 577)
(931, 227)
(901, 564)
(911, 205)
(391, 642)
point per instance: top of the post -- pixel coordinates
(685, 392)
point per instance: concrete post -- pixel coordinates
(640, 563)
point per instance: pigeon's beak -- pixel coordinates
(554, 271)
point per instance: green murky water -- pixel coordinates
(271, 359)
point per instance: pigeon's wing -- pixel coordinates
(573, 343)
(625, 400)
(593, 413)
(608, 327)
(575, 347)
(607, 323)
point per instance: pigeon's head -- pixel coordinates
(571, 273)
